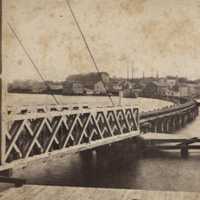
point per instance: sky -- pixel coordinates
(150, 35)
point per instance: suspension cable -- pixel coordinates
(32, 62)
(88, 48)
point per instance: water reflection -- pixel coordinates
(119, 168)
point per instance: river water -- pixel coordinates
(123, 167)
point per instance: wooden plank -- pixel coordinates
(162, 136)
(32, 192)
(166, 138)
(16, 181)
(173, 147)
(21, 193)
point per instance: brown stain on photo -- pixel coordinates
(171, 35)
(132, 7)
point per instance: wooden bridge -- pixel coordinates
(39, 131)
(169, 119)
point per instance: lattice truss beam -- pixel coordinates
(30, 135)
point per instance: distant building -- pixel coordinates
(72, 87)
(99, 88)
(128, 85)
(30, 86)
(67, 88)
(170, 81)
(88, 91)
(192, 88)
(55, 87)
(189, 88)
(105, 77)
(90, 83)
(77, 88)
(183, 90)
(115, 86)
(154, 89)
(39, 87)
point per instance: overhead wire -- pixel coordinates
(32, 62)
(88, 48)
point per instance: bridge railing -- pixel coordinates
(33, 134)
(170, 109)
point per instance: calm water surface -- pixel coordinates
(122, 167)
(31, 99)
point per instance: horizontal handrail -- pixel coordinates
(168, 110)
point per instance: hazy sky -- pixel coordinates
(151, 35)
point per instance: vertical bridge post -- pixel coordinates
(3, 91)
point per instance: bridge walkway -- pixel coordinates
(35, 192)
(184, 143)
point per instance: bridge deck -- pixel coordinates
(76, 193)
(163, 137)
(170, 142)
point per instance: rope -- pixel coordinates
(32, 62)
(88, 48)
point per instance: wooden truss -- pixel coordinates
(36, 133)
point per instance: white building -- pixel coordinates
(99, 88)
(184, 90)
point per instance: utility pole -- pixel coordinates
(132, 71)
(127, 73)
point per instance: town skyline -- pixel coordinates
(102, 83)
(130, 77)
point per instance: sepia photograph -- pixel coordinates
(99, 99)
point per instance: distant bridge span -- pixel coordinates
(169, 119)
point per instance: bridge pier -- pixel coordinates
(154, 126)
(164, 125)
(179, 122)
(103, 155)
(160, 126)
(184, 151)
(86, 155)
(185, 119)
(167, 128)
(173, 124)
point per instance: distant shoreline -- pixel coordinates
(50, 93)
